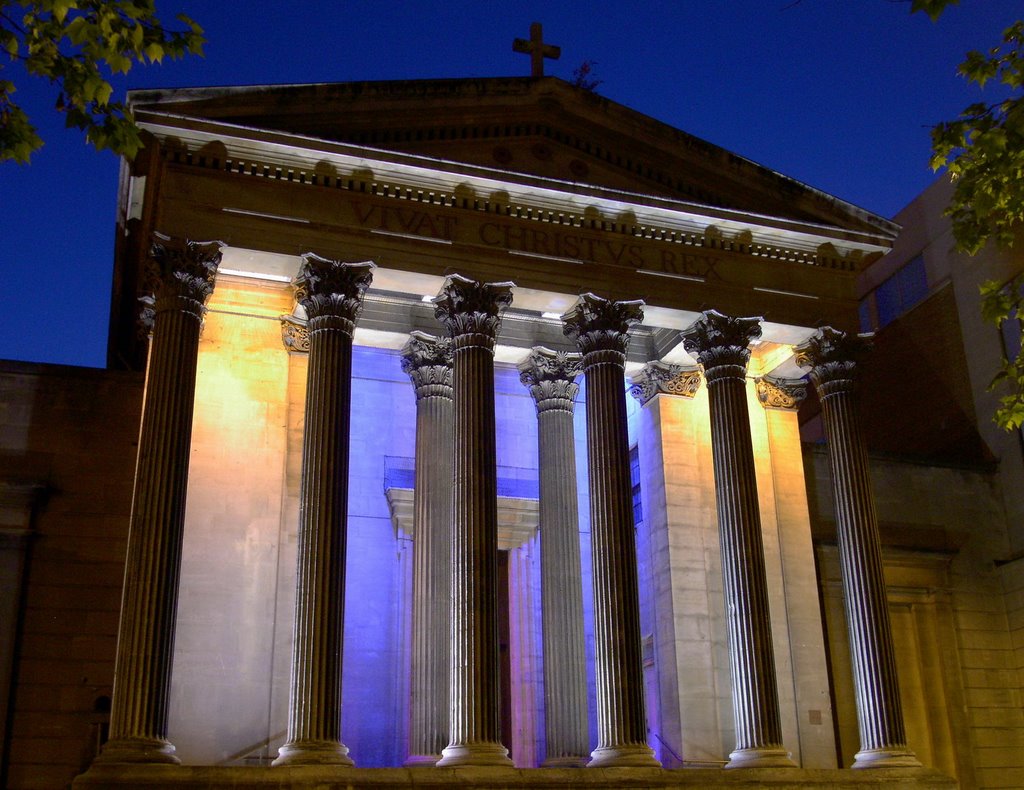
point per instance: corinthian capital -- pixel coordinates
(659, 378)
(180, 274)
(721, 343)
(331, 292)
(833, 359)
(428, 362)
(598, 324)
(779, 393)
(468, 307)
(551, 378)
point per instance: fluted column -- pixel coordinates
(832, 358)
(428, 361)
(600, 329)
(471, 312)
(183, 276)
(551, 378)
(721, 345)
(331, 292)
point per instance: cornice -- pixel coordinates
(247, 151)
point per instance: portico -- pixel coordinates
(323, 614)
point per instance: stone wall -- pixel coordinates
(953, 602)
(67, 453)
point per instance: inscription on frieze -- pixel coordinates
(549, 241)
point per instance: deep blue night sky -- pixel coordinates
(836, 93)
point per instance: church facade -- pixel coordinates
(471, 436)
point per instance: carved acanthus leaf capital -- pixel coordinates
(427, 360)
(294, 334)
(468, 307)
(598, 324)
(180, 275)
(551, 378)
(661, 378)
(721, 343)
(780, 393)
(833, 359)
(331, 292)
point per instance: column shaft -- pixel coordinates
(471, 312)
(721, 346)
(551, 378)
(428, 362)
(331, 293)
(600, 329)
(832, 358)
(184, 274)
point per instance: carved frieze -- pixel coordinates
(294, 334)
(660, 378)
(781, 393)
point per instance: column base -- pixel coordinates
(421, 761)
(567, 761)
(886, 758)
(313, 753)
(760, 758)
(478, 753)
(632, 756)
(138, 750)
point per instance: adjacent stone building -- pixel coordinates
(476, 430)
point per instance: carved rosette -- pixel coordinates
(427, 360)
(660, 378)
(295, 334)
(780, 393)
(600, 327)
(471, 311)
(331, 292)
(179, 276)
(721, 343)
(551, 378)
(833, 358)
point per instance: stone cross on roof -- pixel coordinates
(536, 49)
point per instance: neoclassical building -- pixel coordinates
(471, 441)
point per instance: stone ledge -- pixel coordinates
(337, 778)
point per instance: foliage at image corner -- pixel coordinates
(78, 45)
(983, 152)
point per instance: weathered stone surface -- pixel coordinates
(183, 272)
(331, 293)
(551, 378)
(721, 344)
(471, 312)
(330, 778)
(600, 328)
(833, 360)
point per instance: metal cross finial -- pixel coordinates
(536, 49)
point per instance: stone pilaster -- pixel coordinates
(331, 292)
(428, 362)
(471, 312)
(833, 360)
(183, 275)
(551, 379)
(721, 345)
(600, 329)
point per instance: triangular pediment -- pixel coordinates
(541, 127)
